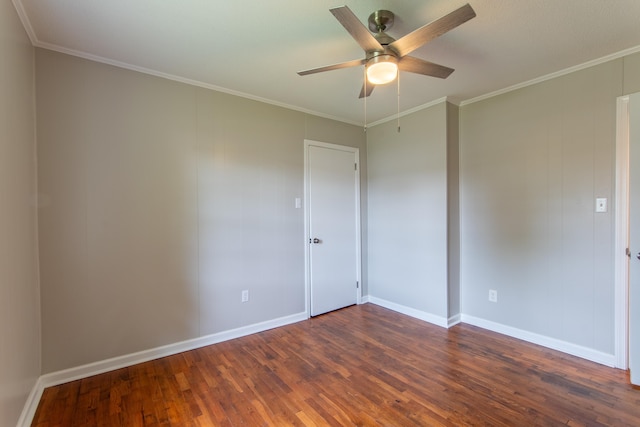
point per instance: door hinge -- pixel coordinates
(355, 166)
(357, 284)
(628, 252)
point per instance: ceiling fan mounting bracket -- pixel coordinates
(381, 20)
(386, 52)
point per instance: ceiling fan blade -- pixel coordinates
(420, 66)
(430, 31)
(357, 30)
(347, 64)
(369, 87)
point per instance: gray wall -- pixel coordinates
(163, 202)
(19, 301)
(408, 211)
(532, 163)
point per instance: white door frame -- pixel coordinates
(307, 235)
(621, 260)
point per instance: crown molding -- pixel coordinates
(409, 111)
(554, 75)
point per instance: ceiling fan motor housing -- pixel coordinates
(386, 53)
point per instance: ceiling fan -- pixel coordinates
(384, 55)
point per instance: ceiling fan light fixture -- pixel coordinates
(382, 69)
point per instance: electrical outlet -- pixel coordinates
(245, 296)
(493, 295)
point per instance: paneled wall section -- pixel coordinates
(163, 201)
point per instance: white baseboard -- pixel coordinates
(552, 343)
(31, 405)
(418, 314)
(100, 367)
(454, 320)
(84, 371)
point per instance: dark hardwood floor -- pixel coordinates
(363, 365)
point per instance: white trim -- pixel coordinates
(307, 223)
(409, 111)
(542, 340)
(454, 320)
(95, 368)
(26, 23)
(37, 43)
(621, 260)
(31, 405)
(418, 314)
(307, 235)
(552, 343)
(72, 374)
(358, 229)
(560, 73)
(188, 81)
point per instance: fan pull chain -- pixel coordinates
(398, 77)
(365, 98)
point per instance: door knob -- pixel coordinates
(638, 256)
(316, 240)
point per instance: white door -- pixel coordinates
(332, 206)
(634, 237)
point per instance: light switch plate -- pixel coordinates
(601, 204)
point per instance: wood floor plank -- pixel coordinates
(364, 366)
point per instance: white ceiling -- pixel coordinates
(254, 48)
